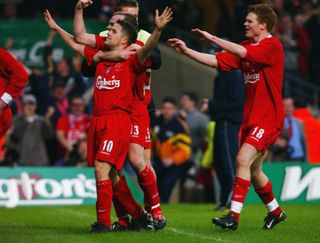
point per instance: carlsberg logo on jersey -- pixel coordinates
(33, 188)
(251, 78)
(102, 83)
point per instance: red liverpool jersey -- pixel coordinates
(114, 83)
(13, 76)
(141, 89)
(262, 69)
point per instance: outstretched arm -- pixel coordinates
(80, 34)
(160, 21)
(203, 58)
(64, 35)
(228, 46)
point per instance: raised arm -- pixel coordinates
(203, 58)
(68, 39)
(80, 34)
(160, 21)
(228, 46)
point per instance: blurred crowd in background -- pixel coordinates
(51, 118)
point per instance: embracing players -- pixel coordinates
(140, 145)
(109, 131)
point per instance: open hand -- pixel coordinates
(178, 45)
(203, 34)
(50, 21)
(81, 4)
(162, 20)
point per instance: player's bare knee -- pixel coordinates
(137, 161)
(101, 169)
(242, 162)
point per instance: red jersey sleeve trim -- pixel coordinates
(227, 61)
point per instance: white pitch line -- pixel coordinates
(194, 235)
(173, 230)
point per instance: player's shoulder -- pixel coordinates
(246, 42)
(143, 36)
(270, 39)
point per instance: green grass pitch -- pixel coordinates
(186, 223)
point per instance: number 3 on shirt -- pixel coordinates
(257, 133)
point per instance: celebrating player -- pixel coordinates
(109, 131)
(139, 149)
(261, 61)
(13, 78)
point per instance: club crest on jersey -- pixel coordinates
(251, 78)
(102, 83)
(108, 70)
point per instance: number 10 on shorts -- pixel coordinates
(257, 133)
(107, 146)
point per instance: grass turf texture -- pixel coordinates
(186, 223)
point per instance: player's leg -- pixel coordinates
(104, 197)
(263, 188)
(148, 184)
(124, 204)
(246, 155)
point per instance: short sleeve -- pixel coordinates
(227, 61)
(100, 42)
(264, 53)
(89, 53)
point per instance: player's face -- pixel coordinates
(252, 26)
(131, 10)
(115, 36)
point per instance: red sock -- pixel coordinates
(121, 212)
(240, 191)
(266, 195)
(122, 194)
(104, 199)
(148, 184)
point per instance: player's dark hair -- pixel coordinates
(129, 29)
(192, 96)
(170, 100)
(265, 14)
(128, 18)
(126, 3)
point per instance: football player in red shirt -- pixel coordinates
(109, 131)
(261, 60)
(13, 78)
(140, 145)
